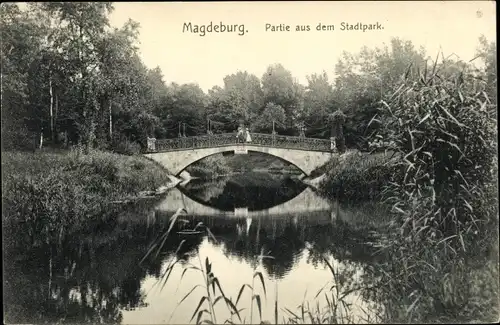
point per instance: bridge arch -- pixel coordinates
(249, 150)
(176, 161)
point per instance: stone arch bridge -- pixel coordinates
(177, 154)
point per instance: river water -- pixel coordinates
(275, 225)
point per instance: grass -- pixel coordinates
(54, 192)
(346, 173)
(209, 167)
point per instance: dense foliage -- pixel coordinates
(345, 173)
(441, 119)
(69, 78)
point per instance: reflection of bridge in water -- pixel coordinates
(284, 231)
(306, 203)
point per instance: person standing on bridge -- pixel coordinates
(240, 134)
(247, 134)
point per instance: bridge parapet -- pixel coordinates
(224, 139)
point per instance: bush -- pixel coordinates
(47, 192)
(357, 176)
(209, 167)
(19, 138)
(124, 146)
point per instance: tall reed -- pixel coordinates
(441, 123)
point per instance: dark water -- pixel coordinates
(98, 275)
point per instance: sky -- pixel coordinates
(185, 57)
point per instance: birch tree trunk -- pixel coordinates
(110, 123)
(56, 110)
(41, 139)
(51, 109)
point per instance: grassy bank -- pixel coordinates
(54, 192)
(356, 176)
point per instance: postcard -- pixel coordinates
(250, 162)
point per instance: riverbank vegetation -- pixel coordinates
(442, 241)
(209, 168)
(344, 174)
(442, 121)
(49, 193)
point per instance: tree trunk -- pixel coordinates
(41, 139)
(51, 109)
(56, 110)
(90, 134)
(66, 143)
(110, 123)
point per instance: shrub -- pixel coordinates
(357, 176)
(47, 192)
(122, 145)
(209, 167)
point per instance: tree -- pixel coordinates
(240, 101)
(21, 42)
(244, 95)
(117, 52)
(318, 103)
(280, 88)
(82, 27)
(272, 116)
(135, 112)
(363, 78)
(219, 111)
(186, 106)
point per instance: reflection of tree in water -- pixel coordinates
(285, 249)
(278, 239)
(286, 239)
(204, 190)
(85, 278)
(340, 241)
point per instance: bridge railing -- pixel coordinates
(224, 139)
